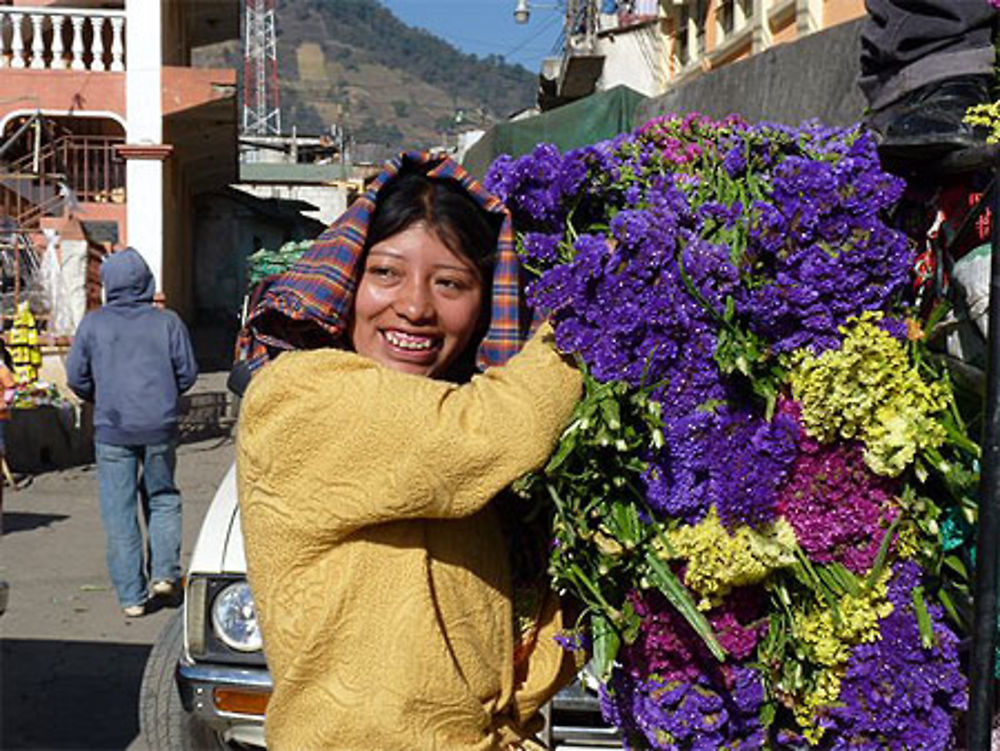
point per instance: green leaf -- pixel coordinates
(923, 618)
(678, 596)
(625, 521)
(631, 623)
(767, 713)
(848, 581)
(955, 564)
(611, 412)
(949, 605)
(566, 447)
(606, 644)
(883, 551)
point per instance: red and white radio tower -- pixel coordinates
(261, 100)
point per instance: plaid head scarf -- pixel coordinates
(307, 307)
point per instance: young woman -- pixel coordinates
(379, 559)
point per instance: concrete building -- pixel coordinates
(653, 46)
(103, 117)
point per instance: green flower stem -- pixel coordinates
(584, 580)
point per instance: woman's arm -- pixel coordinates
(330, 441)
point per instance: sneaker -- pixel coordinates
(134, 611)
(163, 588)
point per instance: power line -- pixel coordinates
(535, 36)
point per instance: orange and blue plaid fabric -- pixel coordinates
(307, 307)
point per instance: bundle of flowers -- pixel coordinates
(764, 499)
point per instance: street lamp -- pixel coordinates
(522, 11)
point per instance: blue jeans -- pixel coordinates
(120, 488)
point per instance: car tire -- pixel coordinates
(164, 724)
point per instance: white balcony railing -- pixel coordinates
(46, 38)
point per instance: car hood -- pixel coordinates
(219, 548)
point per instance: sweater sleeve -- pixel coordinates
(330, 442)
(79, 375)
(182, 355)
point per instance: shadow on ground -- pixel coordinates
(69, 695)
(205, 415)
(23, 521)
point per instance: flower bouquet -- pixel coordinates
(765, 498)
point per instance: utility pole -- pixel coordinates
(261, 98)
(581, 26)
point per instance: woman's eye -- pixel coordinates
(452, 284)
(382, 272)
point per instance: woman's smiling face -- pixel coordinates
(418, 303)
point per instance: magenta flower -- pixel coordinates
(838, 508)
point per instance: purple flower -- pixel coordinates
(541, 247)
(896, 693)
(731, 460)
(705, 714)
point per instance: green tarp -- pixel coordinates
(594, 118)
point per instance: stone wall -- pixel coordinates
(814, 77)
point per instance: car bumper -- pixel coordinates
(201, 690)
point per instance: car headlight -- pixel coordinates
(234, 618)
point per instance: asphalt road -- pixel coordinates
(71, 663)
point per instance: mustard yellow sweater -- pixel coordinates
(376, 560)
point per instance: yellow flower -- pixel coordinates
(988, 116)
(825, 691)
(907, 540)
(867, 390)
(828, 641)
(719, 560)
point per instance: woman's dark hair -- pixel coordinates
(450, 212)
(446, 209)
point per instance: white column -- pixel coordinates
(144, 176)
(808, 16)
(694, 54)
(739, 15)
(77, 46)
(16, 42)
(97, 47)
(117, 23)
(761, 37)
(144, 212)
(37, 42)
(3, 46)
(57, 43)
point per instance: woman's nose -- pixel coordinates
(414, 302)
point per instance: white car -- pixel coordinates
(206, 683)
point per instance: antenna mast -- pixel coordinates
(261, 98)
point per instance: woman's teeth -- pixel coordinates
(408, 341)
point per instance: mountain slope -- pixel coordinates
(354, 64)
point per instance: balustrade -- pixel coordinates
(39, 38)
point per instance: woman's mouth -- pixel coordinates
(409, 342)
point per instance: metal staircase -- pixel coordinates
(19, 267)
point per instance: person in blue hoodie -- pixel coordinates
(133, 361)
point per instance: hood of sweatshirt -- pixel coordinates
(127, 279)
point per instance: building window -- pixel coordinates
(697, 26)
(682, 51)
(725, 18)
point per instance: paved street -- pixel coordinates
(71, 663)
